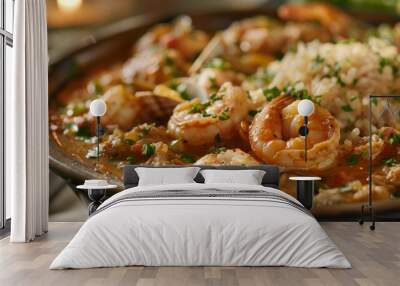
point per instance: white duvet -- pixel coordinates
(200, 231)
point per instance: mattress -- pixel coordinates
(201, 225)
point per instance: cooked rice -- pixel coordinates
(341, 76)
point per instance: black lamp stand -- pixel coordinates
(303, 131)
(99, 133)
(96, 196)
(305, 192)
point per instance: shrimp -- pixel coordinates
(378, 193)
(260, 36)
(180, 36)
(153, 66)
(204, 123)
(274, 136)
(211, 79)
(163, 155)
(129, 145)
(393, 175)
(126, 109)
(331, 18)
(228, 157)
(122, 107)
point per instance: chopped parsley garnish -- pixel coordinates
(333, 71)
(205, 114)
(168, 60)
(346, 41)
(222, 90)
(345, 188)
(148, 149)
(390, 162)
(95, 88)
(129, 141)
(219, 63)
(271, 93)
(280, 55)
(80, 109)
(354, 98)
(217, 150)
(213, 82)
(347, 108)
(297, 93)
(253, 113)
(224, 115)
(68, 126)
(131, 159)
(394, 139)
(76, 109)
(145, 130)
(387, 62)
(187, 158)
(365, 154)
(173, 84)
(170, 66)
(291, 90)
(201, 108)
(215, 97)
(183, 91)
(353, 159)
(83, 132)
(317, 99)
(198, 108)
(318, 60)
(292, 49)
(263, 74)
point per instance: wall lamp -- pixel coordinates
(305, 108)
(97, 109)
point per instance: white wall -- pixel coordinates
(9, 26)
(9, 63)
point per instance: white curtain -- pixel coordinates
(27, 124)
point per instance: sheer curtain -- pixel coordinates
(27, 124)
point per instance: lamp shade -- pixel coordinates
(98, 107)
(305, 107)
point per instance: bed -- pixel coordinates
(197, 224)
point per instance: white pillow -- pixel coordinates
(248, 177)
(164, 176)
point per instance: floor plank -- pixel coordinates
(375, 257)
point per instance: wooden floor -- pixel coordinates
(375, 257)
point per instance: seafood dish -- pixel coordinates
(186, 96)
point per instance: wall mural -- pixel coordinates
(183, 95)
